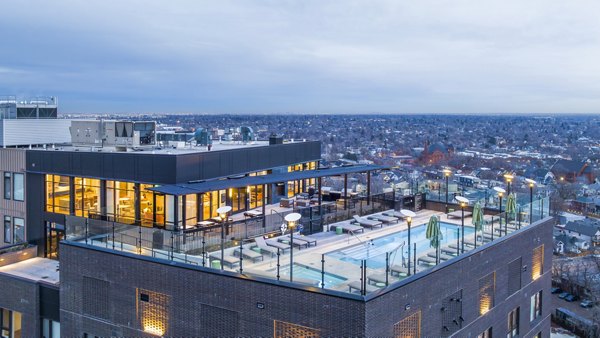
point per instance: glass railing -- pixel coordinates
(357, 259)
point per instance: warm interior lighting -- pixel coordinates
(537, 262)
(155, 328)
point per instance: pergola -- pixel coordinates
(200, 187)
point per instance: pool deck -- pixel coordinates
(330, 241)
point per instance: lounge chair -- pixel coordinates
(298, 241)
(398, 270)
(367, 223)
(248, 253)
(379, 278)
(305, 240)
(227, 260)
(458, 214)
(350, 227)
(356, 285)
(394, 213)
(270, 245)
(383, 218)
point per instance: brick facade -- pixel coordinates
(200, 302)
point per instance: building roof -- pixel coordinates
(570, 166)
(586, 227)
(244, 181)
(36, 269)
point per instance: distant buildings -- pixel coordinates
(572, 171)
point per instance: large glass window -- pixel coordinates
(7, 227)
(152, 206)
(87, 196)
(7, 186)
(58, 192)
(485, 334)
(513, 324)
(11, 324)
(206, 206)
(50, 329)
(18, 187)
(191, 209)
(120, 201)
(536, 306)
(19, 230)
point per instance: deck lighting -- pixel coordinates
(223, 211)
(291, 220)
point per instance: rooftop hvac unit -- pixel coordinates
(247, 134)
(202, 137)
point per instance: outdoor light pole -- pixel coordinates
(409, 221)
(291, 220)
(223, 211)
(508, 178)
(463, 203)
(462, 227)
(409, 216)
(531, 185)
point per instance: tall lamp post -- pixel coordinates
(532, 184)
(409, 215)
(508, 177)
(223, 212)
(500, 192)
(447, 174)
(291, 220)
(463, 203)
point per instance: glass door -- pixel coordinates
(54, 234)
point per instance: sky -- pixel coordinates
(310, 56)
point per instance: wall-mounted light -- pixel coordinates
(407, 307)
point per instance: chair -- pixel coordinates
(383, 218)
(367, 223)
(227, 260)
(304, 240)
(350, 227)
(394, 213)
(398, 270)
(248, 253)
(270, 245)
(298, 241)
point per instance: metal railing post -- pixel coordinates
(415, 260)
(322, 271)
(278, 265)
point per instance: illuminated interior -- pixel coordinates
(58, 194)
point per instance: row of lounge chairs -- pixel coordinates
(269, 246)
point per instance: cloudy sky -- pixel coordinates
(311, 56)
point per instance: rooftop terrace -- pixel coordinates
(365, 249)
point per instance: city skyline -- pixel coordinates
(304, 57)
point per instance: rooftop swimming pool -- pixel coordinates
(303, 273)
(397, 245)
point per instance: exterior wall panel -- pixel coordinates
(11, 160)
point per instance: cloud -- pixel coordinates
(304, 56)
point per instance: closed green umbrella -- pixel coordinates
(434, 234)
(477, 220)
(511, 208)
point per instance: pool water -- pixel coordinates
(310, 274)
(374, 250)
